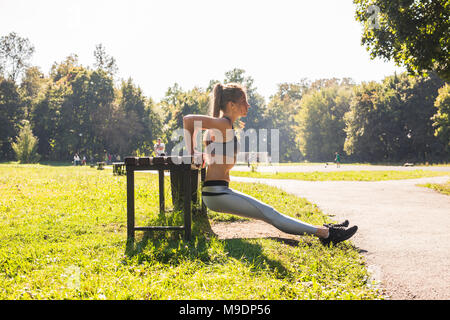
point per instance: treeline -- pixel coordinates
(77, 109)
(86, 110)
(399, 119)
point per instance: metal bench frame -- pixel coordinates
(118, 168)
(162, 164)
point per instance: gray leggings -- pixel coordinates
(219, 197)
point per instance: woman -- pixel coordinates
(229, 103)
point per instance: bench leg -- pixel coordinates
(203, 176)
(161, 191)
(194, 186)
(130, 204)
(187, 204)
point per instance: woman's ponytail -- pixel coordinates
(216, 100)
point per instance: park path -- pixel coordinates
(404, 230)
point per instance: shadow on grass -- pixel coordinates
(42, 163)
(176, 252)
(170, 217)
(170, 248)
(56, 163)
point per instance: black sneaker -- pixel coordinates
(337, 225)
(338, 234)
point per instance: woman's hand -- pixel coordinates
(198, 158)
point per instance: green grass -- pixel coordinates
(341, 175)
(443, 188)
(333, 164)
(63, 236)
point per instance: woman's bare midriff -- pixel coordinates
(216, 170)
(219, 171)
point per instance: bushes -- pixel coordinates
(26, 145)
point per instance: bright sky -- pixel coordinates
(191, 42)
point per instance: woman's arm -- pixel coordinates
(193, 121)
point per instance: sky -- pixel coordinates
(190, 42)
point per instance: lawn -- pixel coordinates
(63, 236)
(333, 164)
(342, 175)
(443, 188)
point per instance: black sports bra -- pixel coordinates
(220, 148)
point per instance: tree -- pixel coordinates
(75, 113)
(176, 104)
(132, 129)
(46, 119)
(280, 115)
(61, 70)
(418, 97)
(320, 122)
(442, 117)
(294, 91)
(26, 144)
(373, 123)
(86, 112)
(11, 112)
(80, 110)
(326, 83)
(391, 121)
(31, 88)
(413, 33)
(14, 55)
(104, 61)
(33, 82)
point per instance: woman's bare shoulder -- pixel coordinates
(207, 122)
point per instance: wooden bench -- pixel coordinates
(119, 168)
(408, 164)
(184, 186)
(101, 165)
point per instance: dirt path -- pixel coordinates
(404, 230)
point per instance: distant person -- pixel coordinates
(159, 148)
(76, 159)
(84, 161)
(118, 157)
(337, 159)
